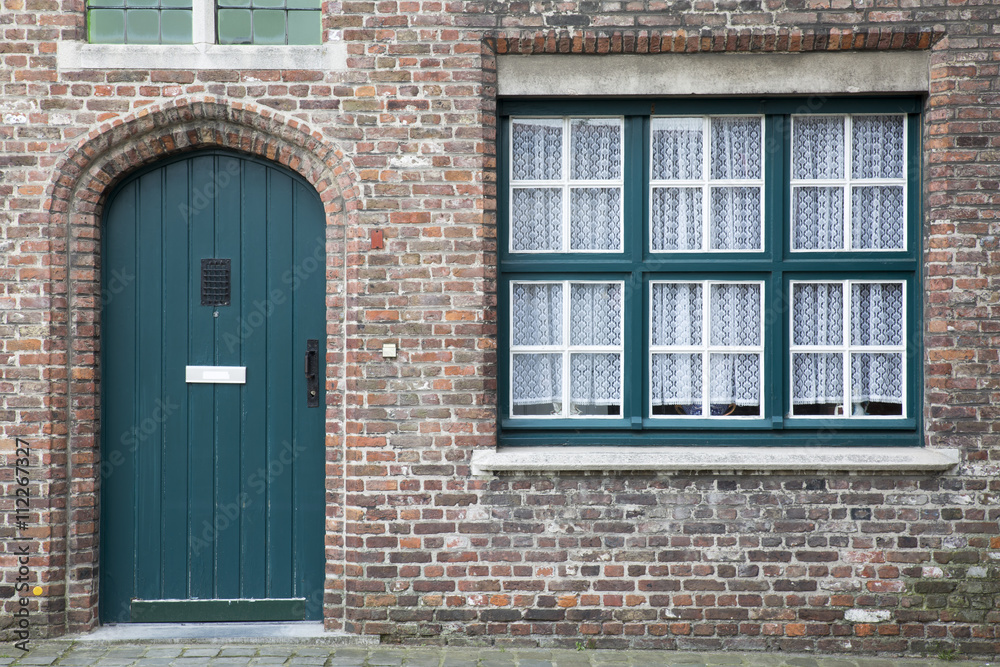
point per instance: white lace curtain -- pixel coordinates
(734, 211)
(539, 157)
(876, 321)
(875, 184)
(595, 321)
(679, 321)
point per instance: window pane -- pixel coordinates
(143, 3)
(268, 27)
(595, 314)
(536, 219)
(877, 147)
(304, 4)
(537, 314)
(233, 3)
(537, 149)
(677, 148)
(595, 384)
(818, 218)
(878, 219)
(106, 26)
(176, 27)
(677, 218)
(736, 219)
(735, 385)
(736, 147)
(176, 4)
(305, 28)
(268, 4)
(676, 314)
(818, 314)
(142, 26)
(595, 149)
(234, 26)
(676, 380)
(818, 147)
(878, 379)
(876, 314)
(735, 315)
(817, 384)
(536, 384)
(595, 219)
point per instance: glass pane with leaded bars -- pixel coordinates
(849, 182)
(139, 21)
(567, 178)
(269, 22)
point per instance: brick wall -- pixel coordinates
(403, 141)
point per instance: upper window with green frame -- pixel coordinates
(262, 22)
(139, 21)
(710, 271)
(269, 21)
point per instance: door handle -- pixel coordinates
(312, 373)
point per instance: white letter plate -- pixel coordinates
(216, 374)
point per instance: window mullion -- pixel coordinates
(203, 21)
(848, 307)
(706, 191)
(567, 192)
(848, 186)
(706, 339)
(567, 339)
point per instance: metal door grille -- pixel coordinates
(215, 282)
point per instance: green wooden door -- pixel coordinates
(212, 498)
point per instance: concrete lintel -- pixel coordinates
(719, 460)
(79, 56)
(849, 72)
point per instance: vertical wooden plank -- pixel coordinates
(177, 305)
(253, 334)
(309, 459)
(118, 363)
(149, 388)
(201, 397)
(228, 435)
(284, 373)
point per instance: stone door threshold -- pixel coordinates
(297, 632)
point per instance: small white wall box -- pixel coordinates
(388, 350)
(216, 374)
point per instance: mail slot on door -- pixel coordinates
(216, 374)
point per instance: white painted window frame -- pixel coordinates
(566, 349)
(706, 183)
(566, 184)
(203, 52)
(848, 182)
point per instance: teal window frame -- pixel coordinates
(777, 265)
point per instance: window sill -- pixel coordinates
(714, 459)
(80, 55)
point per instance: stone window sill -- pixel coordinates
(80, 56)
(720, 460)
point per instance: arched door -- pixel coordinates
(212, 427)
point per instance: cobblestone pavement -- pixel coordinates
(65, 654)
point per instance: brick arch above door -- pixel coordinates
(81, 182)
